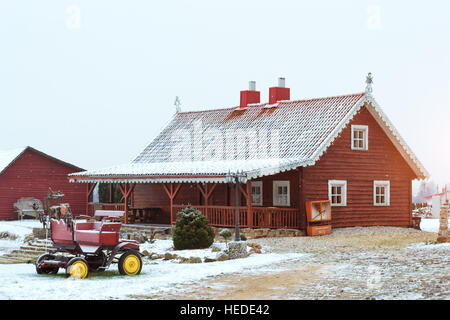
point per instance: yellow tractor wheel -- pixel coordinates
(130, 263)
(77, 268)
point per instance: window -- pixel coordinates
(257, 193)
(337, 192)
(381, 193)
(281, 193)
(360, 139)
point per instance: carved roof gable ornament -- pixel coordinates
(369, 82)
(177, 104)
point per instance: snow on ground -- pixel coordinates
(20, 281)
(166, 246)
(20, 228)
(430, 225)
(347, 262)
(17, 228)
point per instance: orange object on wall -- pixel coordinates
(318, 216)
(318, 211)
(319, 230)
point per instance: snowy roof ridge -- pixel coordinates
(7, 157)
(278, 102)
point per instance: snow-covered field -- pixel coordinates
(19, 229)
(21, 281)
(336, 266)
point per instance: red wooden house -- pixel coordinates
(341, 148)
(27, 172)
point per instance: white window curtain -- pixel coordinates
(257, 193)
(281, 193)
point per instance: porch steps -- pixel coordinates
(27, 252)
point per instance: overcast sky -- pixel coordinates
(92, 82)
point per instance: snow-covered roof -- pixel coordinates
(8, 157)
(260, 140)
(189, 171)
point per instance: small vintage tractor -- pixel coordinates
(83, 246)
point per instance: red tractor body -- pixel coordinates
(90, 246)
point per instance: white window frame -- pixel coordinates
(258, 184)
(387, 192)
(343, 185)
(281, 183)
(365, 129)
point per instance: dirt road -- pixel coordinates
(354, 263)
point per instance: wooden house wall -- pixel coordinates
(381, 161)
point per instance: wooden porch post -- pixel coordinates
(110, 193)
(126, 191)
(301, 206)
(90, 189)
(171, 193)
(125, 199)
(206, 192)
(249, 205)
(247, 197)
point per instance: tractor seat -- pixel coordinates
(88, 226)
(97, 233)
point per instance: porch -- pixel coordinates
(218, 216)
(222, 216)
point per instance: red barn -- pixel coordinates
(27, 172)
(343, 149)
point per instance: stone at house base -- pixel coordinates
(195, 260)
(183, 260)
(170, 256)
(222, 257)
(254, 245)
(262, 233)
(154, 256)
(237, 249)
(441, 239)
(206, 260)
(143, 233)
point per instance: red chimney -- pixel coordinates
(249, 96)
(279, 93)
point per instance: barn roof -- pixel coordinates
(260, 140)
(8, 157)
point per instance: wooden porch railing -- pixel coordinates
(92, 206)
(224, 216)
(276, 218)
(219, 216)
